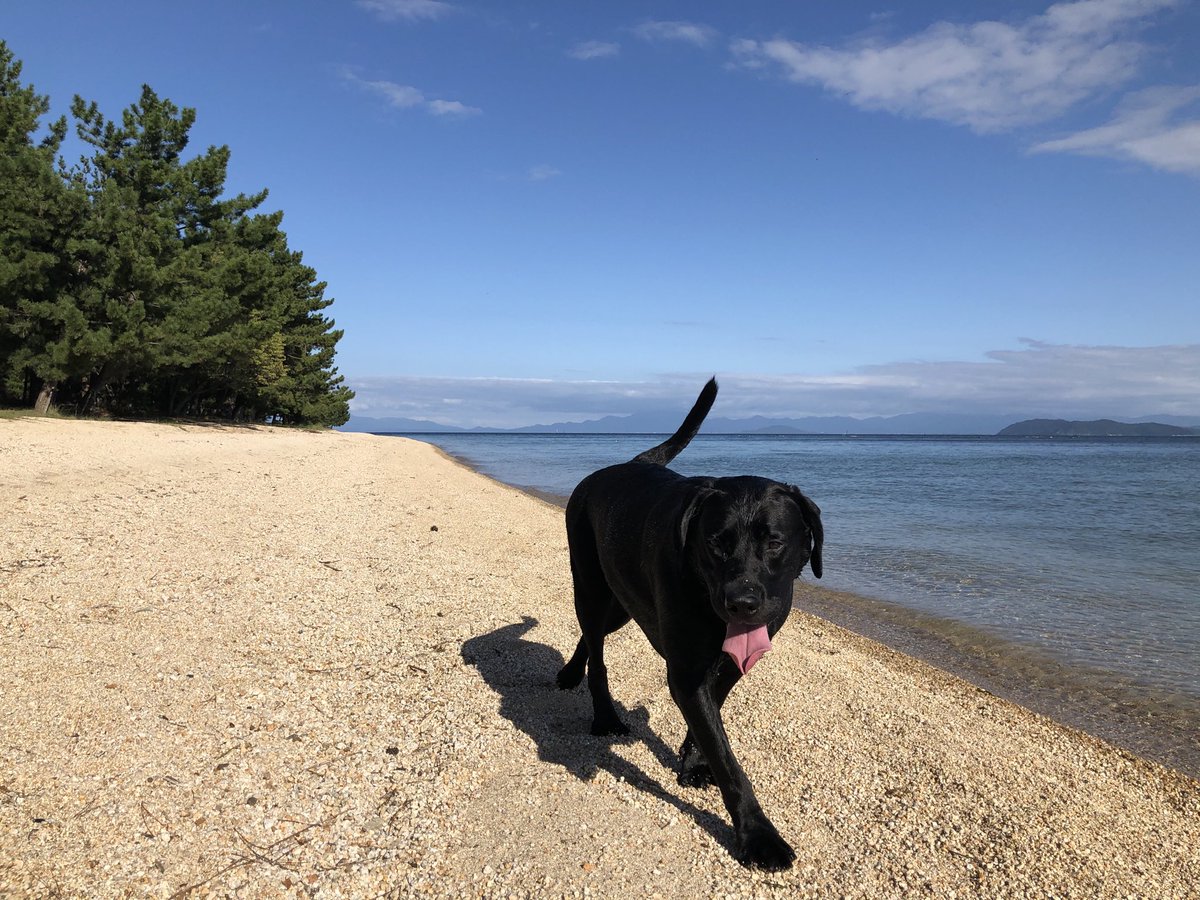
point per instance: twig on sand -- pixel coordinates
(258, 854)
(147, 814)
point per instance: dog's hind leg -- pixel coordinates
(599, 615)
(571, 674)
(604, 715)
(591, 594)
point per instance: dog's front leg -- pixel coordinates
(693, 767)
(757, 841)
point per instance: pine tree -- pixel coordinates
(40, 321)
(198, 293)
(154, 221)
(313, 391)
(129, 284)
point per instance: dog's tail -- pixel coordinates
(671, 447)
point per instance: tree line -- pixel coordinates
(130, 285)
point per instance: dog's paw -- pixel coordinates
(693, 767)
(609, 726)
(697, 776)
(569, 678)
(761, 847)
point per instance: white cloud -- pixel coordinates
(594, 50)
(1039, 379)
(398, 95)
(1042, 379)
(451, 108)
(404, 96)
(989, 76)
(1146, 128)
(406, 10)
(683, 32)
(542, 172)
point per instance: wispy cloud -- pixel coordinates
(404, 96)
(681, 32)
(1159, 127)
(406, 10)
(594, 50)
(988, 76)
(451, 108)
(542, 172)
(1038, 379)
(398, 95)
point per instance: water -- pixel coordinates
(1062, 573)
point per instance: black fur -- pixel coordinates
(683, 557)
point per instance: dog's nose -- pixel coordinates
(744, 605)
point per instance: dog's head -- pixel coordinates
(749, 538)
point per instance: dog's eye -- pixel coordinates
(716, 547)
(775, 545)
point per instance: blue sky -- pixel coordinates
(533, 212)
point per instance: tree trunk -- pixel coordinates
(41, 406)
(97, 384)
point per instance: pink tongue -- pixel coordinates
(746, 644)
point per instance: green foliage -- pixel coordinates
(130, 285)
(38, 211)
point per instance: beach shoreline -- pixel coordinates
(272, 662)
(1144, 721)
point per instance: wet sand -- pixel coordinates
(279, 663)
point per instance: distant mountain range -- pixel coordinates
(1095, 428)
(911, 423)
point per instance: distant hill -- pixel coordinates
(666, 421)
(395, 425)
(1094, 428)
(778, 429)
(910, 423)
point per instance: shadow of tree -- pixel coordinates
(522, 672)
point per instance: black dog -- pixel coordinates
(705, 567)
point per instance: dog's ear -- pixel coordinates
(812, 518)
(695, 504)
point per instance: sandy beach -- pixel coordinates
(274, 663)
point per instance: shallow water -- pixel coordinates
(1064, 573)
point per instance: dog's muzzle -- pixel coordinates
(743, 600)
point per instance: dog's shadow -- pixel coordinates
(522, 672)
